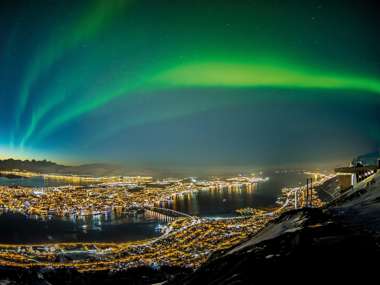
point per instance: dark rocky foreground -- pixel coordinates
(338, 243)
(311, 245)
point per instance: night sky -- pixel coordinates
(189, 84)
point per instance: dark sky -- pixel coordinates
(189, 84)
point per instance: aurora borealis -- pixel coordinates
(189, 83)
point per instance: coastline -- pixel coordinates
(188, 241)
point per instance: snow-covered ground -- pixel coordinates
(360, 207)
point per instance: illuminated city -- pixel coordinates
(189, 142)
(186, 241)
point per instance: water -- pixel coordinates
(224, 202)
(15, 228)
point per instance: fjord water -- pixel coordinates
(16, 228)
(223, 202)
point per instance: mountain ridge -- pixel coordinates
(49, 167)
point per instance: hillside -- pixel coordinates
(345, 234)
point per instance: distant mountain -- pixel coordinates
(48, 167)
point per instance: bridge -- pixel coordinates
(165, 214)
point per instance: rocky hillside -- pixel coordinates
(342, 241)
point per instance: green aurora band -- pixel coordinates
(237, 75)
(88, 26)
(273, 74)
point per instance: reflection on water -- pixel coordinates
(224, 201)
(118, 227)
(108, 227)
(17, 228)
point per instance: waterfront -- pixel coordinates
(223, 202)
(181, 239)
(120, 227)
(20, 229)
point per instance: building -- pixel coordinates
(351, 175)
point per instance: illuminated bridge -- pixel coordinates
(165, 214)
